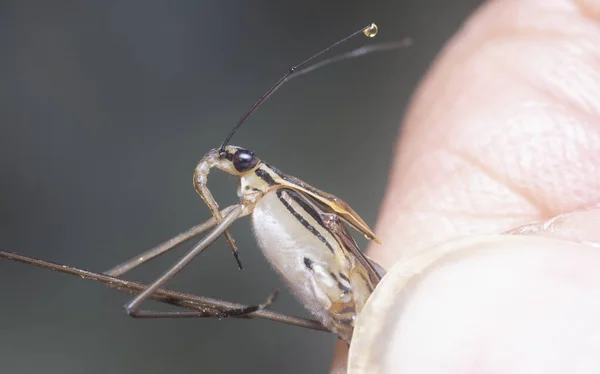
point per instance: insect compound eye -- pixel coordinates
(244, 160)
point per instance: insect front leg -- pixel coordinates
(200, 178)
(165, 246)
(133, 307)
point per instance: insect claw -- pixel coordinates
(245, 311)
(270, 299)
(237, 259)
(130, 311)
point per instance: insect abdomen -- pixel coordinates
(307, 257)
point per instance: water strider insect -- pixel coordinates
(301, 230)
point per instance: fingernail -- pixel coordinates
(580, 226)
(476, 304)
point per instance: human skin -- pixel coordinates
(501, 137)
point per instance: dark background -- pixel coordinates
(105, 109)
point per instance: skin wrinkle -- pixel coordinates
(572, 43)
(574, 107)
(524, 30)
(408, 201)
(505, 181)
(490, 216)
(471, 177)
(524, 34)
(473, 58)
(550, 93)
(451, 225)
(470, 214)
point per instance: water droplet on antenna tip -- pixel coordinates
(371, 31)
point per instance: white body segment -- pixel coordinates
(287, 243)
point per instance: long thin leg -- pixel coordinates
(206, 305)
(226, 313)
(200, 178)
(133, 307)
(165, 246)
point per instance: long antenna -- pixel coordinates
(370, 31)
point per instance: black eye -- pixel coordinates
(244, 160)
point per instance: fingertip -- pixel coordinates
(502, 304)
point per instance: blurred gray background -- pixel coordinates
(105, 109)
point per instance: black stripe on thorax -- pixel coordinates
(264, 175)
(307, 207)
(294, 180)
(300, 219)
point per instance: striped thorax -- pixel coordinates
(301, 231)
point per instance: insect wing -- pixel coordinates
(340, 232)
(336, 227)
(337, 205)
